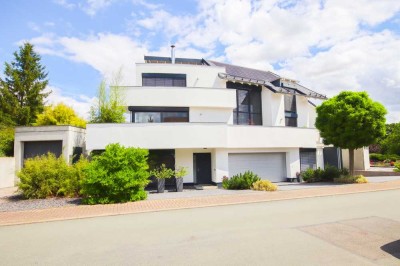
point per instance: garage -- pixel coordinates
(36, 148)
(271, 166)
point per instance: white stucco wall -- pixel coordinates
(7, 172)
(361, 159)
(211, 115)
(196, 76)
(303, 112)
(179, 97)
(198, 135)
(273, 109)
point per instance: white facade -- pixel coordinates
(211, 127)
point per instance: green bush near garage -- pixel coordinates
(118, 174)
(323, 175)
(48, 176)
(240, 181)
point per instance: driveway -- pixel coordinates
(355, 229)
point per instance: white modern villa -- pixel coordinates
(216, 120)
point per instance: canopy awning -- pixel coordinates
(297, 89)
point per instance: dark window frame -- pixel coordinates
(290, 111)
(161, 110)
(159, 79)
(250, 89)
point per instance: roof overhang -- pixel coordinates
(270, 86)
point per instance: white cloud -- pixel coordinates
(107, 53)
(93, 6)
(80, 103)
(328, 45)
(90, 7)
(65, 4)
(364, 63)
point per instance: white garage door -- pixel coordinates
(271, 166)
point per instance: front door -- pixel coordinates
(202, 163)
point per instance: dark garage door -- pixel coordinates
(35, 148)
(308, 159)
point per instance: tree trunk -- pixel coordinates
(351, 161)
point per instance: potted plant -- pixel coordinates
(161, 173)
(180, 172)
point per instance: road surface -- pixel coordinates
(356, 229)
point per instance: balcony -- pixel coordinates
(198, 135)
(179, 97)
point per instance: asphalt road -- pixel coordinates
(357, 229)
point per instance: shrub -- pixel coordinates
(384, 157)
(6, 141)
(48, 176)
(376, 157)
(320, 175)
(330, 173)
(264, 185)
(358, 179)
(119, 174)
(240, 181)
(307, 175)
(162, 172)
(72, 186)
(397, 167)
(180, 172)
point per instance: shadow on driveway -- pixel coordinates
(393, 248)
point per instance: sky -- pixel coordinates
(327, 45)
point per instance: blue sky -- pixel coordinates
(329, 45)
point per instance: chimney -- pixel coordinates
(172, 54)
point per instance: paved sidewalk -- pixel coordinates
(84, 211)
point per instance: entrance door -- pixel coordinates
(202, 164)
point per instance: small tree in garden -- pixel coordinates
(109, 107)
(119, 174)
(351, 120)
(59, 114)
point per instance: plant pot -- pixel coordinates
(160, 185)
(179, 184)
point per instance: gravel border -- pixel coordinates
(17, 203)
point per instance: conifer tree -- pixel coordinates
(22, 95)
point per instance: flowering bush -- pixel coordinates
(264, 185)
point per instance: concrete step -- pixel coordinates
(205, 187)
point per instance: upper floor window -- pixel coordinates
(248, 104)
(290, 110)
(163, 80)
(159, 114)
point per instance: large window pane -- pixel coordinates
(147, 117)
(291, 121)
(243, 119)
(175, 117)
(243, 100)
(290, 103)
(255, 101)
(164, 80)
(256, 119)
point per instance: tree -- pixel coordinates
(22, 90)
(109, 106)
(6, 141)
(351, 120)
(60, 114)
(391, 143)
